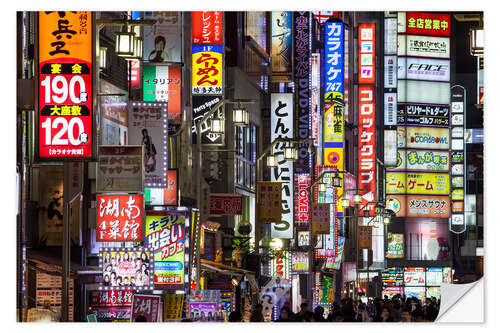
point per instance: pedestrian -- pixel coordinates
(319, 314)
(257, 315)
(235, 317)
(362, 315)
(338, 316)
(301, 314)
(386, 314)
(405, 315)
(285, 315)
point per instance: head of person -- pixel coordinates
(235, 317)
(119, 281)
(118, 256)
(285, 313)
(125, 281)
(144, 132)
(160, 43)
(144, 256)
(386, 312)
(418, 315)
(405, 315)
(126, 256)
(144, 268)
(106, 278)
(132, 281)
(338, 316)
(113, 276)
(109, 268)
(303, 307)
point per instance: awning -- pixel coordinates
(230, 270)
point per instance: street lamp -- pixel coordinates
(357, 199)
(337, 181)
(138, 47)
(217, 125)
(272, 161)
(240, 116)
(124, 46)
(322, 187)
(102, 57)
(477, 41)
(345, 203)
(291, 153)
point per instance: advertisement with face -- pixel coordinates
(162, 40)
(126, 267)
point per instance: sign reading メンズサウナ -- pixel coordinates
(65, 92)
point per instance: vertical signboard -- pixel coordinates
(163, 84)
(207, 27)
(458, 111)
(334, 99)
(316, 98)
(280, 265)
(120, 169)
(148, 126)
(366, 71)
(302, 183)
(282, 126)
(302, 72)
(65, 91)
(366, 175)
(162, 40)
(146, 306)
(165, 236)
(207, 69)
(281, 42)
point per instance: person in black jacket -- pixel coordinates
(286, 315)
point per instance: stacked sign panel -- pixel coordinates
(366, 114)
(418, 185)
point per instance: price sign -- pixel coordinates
(65, 112)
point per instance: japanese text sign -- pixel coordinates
(366, 73)
(226, 204)
(302, 183)
(65, 105)
(417, 183)
(395, 246)
(120, 169)
(427, 137)
(422, 160)
(423, 46)
(172, 306)
(434, 24)
(207, 27)
(269, 202)
(164, 196)
(281, 42)
(119, 218)
(334, 61)
(282, 126)
(162, 40)
(366, 175)
(147, 306)
(320, 218)
(163, 84)
(207, 70)
(280, 265)
(126, 267)
(112, 298)
(414, 276)
(165, 235)
(364, 237)
(334, 263)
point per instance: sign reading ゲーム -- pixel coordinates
(65, 110)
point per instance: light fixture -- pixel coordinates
(138, 47)
(272, 161)
(240, 116)
(476, 41)
(378, 209)
(376, 224)
(235, 281)
(291, 153)
(125, 43)
(322, 187)
(337, 181)
(217, 125)
(276, 244)
(387, 220)
(102, 57)
(357, 199)
(345, 203)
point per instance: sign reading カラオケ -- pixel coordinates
(65, 103)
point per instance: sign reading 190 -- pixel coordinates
(60, 94)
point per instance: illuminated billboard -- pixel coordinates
(417, 183)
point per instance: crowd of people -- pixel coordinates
(376, 310)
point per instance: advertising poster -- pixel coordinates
(147, 306)
(126, 267)
(328, 287)
(269, 202)
(364, 237)
(282, 126)
(168, 196)
(119, 218)
(302, 183)
(396, 203)
(49, 289)
(395, 246)
(418, 292)
(202, 311)
(165, 235)
(65, 91)
(417, 183)
(303, 238)
(425, 69)
(434, 276)
(207, 27)
(320, 218)
(300, 262)
(427, 138)
(163, 84)
(207, 69)
(255, 27)
(424, 46)
(392, 277)
(280, 266)
(428, 206)
(148, 126)
(281, 42)
(334, 263)
(120, 169)
(112, 314)
(114, 115)
(433, 239)
(392, 291)
(414, 276)
(162, 40)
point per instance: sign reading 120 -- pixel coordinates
(65, 85)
